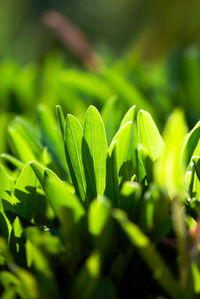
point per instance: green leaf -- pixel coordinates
(180, 230)
(29, 133)
(5, 226)
(98, 215)
(123, 140)
(87, 278)
(6, 188)
(169, 169)
(51, 137)
(196, 277)
(60, 196)
(25, 193)
(8, 279)
(17, 244)
(190, 144)
(112, 188)
(196, 161)
(57, 192)
(150, 139)
(17, 228)
(61, 119)
(20, 146)
(17, 163)
(129, 116)
(28, 287)
(73, 142)
(130, 198)
(94, 153)
(192, 178)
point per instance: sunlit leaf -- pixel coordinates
(123, 139)
(98, 215)
(94, 153)
(73, 143)
(25, 193)
(149, 137)
(169, 170)
(129, 116)
(57, 192)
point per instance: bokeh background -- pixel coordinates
(81, 52)
(115, 25)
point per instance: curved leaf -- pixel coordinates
(191, 141)
(57, 192)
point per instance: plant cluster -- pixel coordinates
(100, 209)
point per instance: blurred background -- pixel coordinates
(112, 53)
(111, 26)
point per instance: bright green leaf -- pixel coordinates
(57, 192)
(150, 139)
(123, 140)
(169, 169)
(73, 143)
(94, 153)
(98, 215)
(129, 116)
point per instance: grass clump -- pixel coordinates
(91, 211)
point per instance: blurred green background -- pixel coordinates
(75, 53)
(111, 26)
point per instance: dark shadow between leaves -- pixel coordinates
(7, 206)
(112, 188)
(25, 206)
(148, 163)
(126, 171)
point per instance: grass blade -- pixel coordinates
(94, 153)
(149, 137)
(61, 119)
(169, 170)
(98, 215)
(73, 142)
(190, 144)
(129, 116)
(123, 148)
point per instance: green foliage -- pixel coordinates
(93, 200)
